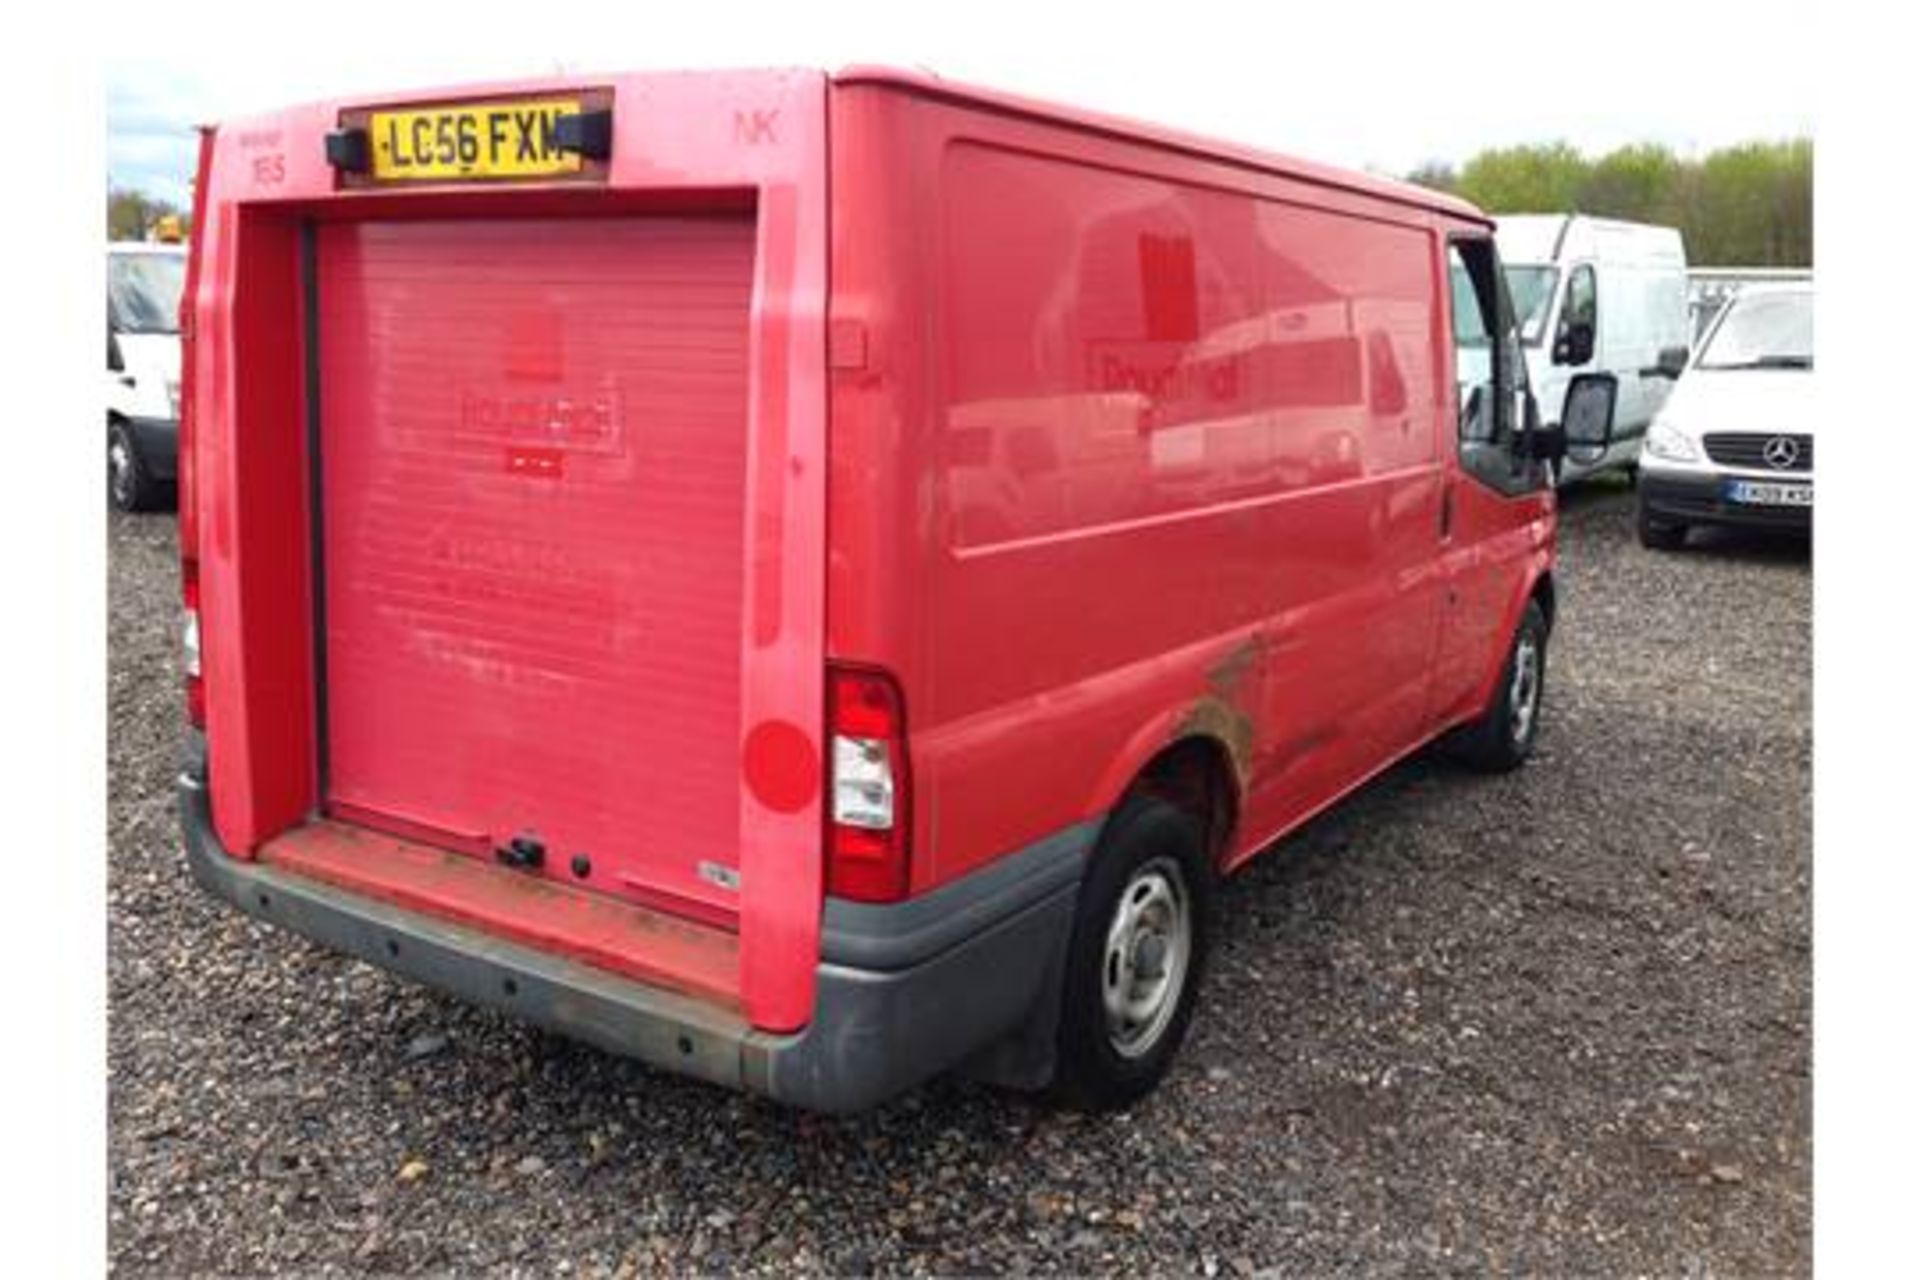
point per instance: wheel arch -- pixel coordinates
(1195, 772)
(1536, 587)
(1546, 595)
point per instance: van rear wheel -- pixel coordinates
(1133, 966)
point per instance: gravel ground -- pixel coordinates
(1551, 1023)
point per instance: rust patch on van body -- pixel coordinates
(1225, 712)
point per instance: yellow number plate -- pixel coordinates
(491, 140)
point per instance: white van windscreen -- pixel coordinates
(143, 291)
(1531, 289)
(1763, 331)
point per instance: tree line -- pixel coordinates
(1743, 206)
(131, 213)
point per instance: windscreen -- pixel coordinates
(1531, 289)
(143, 291)
(1763, 331)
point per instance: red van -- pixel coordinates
(809, 580)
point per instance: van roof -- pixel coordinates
(1553, 237)
(930, 84)
(933, 85)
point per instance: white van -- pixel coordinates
(143, 371)
(1597, 296)
(1734, 446)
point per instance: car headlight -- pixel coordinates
(1664, 440)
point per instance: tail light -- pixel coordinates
(869, 818)
(190, 642)
(186, 468)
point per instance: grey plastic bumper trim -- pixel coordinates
(899, 935)
(875, 1032)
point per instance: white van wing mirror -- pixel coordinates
(1546, 442)
(1587, 416)
(1573, 344)
(1670, 363)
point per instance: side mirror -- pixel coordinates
(114, 361)
(1586, 419)
(1670, 363)
(1573, 344)
(1543, 443)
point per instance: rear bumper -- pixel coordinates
(904, 992)
(1699, 500)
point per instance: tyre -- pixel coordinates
(1659, 535)
(1133, 966)
(130, 486)
(1502, 738)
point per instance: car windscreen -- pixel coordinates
(1531, 289)
(1762, 331)
(143, 291)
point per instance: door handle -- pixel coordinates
(1446, 511)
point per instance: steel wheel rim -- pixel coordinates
(1523, 697)
(119, 469)
(1143, 968)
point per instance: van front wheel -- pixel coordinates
(1502, 738)
(1134, 963)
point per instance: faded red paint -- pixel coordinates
(1093, 435)
(386, 733)
(781, 766)
(653, 946)
(533, 460)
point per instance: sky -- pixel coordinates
(1361, 86)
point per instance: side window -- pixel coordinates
(1489, 374)
(1583, 301)
(1484, 418)
(1573, 339)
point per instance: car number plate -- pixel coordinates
(1755, 494)
(479, 140)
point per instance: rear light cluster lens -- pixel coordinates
(190, 642)
(190, 636)
(862, 783)
(181, 393)
(869, 822)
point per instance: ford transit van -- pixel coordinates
(810, 580)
